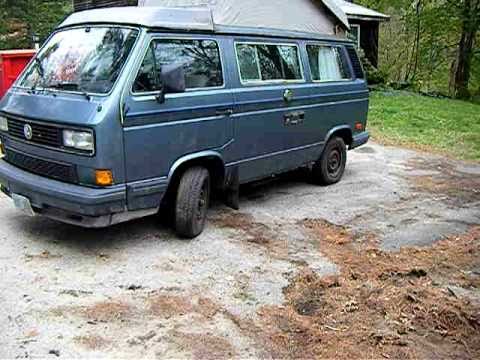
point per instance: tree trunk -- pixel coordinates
(461, 67)
(412, 67)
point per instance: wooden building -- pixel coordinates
(364, 27)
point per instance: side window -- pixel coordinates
(147, 78)
(248, 62)
(268, 62)
(199, 58)
(327, 63)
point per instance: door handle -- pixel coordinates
(224, 112)
(294, 118)
(288, 95)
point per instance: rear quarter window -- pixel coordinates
(328, 63)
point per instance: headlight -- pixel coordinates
(81, 140)
(3, 124)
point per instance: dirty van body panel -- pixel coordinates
(59, 108)
(333, 105)
(266, 145)
(66, 111)
(158, 135)
(76, 201)
(267, 142)
(58, 181)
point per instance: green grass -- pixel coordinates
(446, 126)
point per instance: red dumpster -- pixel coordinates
(12, 62)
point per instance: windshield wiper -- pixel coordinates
(70, 86)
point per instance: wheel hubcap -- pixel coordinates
(334, 162)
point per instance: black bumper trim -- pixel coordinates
(359, 140)
(44, 192)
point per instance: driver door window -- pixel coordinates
(199, 58)
(147, 78)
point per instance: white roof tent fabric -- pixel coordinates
(354, 11)
(183, 19)
(311, 16)
(169, 18)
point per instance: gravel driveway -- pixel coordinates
(134, 290)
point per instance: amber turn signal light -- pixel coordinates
(103, 177)
(359, 126)
(2, 150)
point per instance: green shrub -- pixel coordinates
(374, 75)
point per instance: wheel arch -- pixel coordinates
(211, 160)
(343, 131)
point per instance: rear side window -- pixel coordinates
(199, 58)
(268, 62)
(356, 63)
(327, 63)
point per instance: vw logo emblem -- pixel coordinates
(28, 132)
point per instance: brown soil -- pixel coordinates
(45, 255)
(31, 334)
(92, 342)
(254, 232)
(203, 346)
(382, 305)
(106, 311)
(446, 181)
(165, 305)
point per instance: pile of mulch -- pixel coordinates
(382, 304)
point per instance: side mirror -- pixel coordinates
(172, 79)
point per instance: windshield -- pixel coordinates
(84, 60)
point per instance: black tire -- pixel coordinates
(193, 200)
(329, 169)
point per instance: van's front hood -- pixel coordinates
(62, 108)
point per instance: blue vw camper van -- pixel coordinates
(125, 110)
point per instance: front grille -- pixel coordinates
(41, 134)
(62, 172)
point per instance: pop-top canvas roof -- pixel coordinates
(168, 18)
(312, 16)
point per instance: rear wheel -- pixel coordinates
(329, 169)
(193, 200)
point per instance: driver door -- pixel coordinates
(158, 131)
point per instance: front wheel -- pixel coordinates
(329, 169)
(193, 199)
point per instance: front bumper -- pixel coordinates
(360, 139)
(69, 203)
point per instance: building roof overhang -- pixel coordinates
(358, 12)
